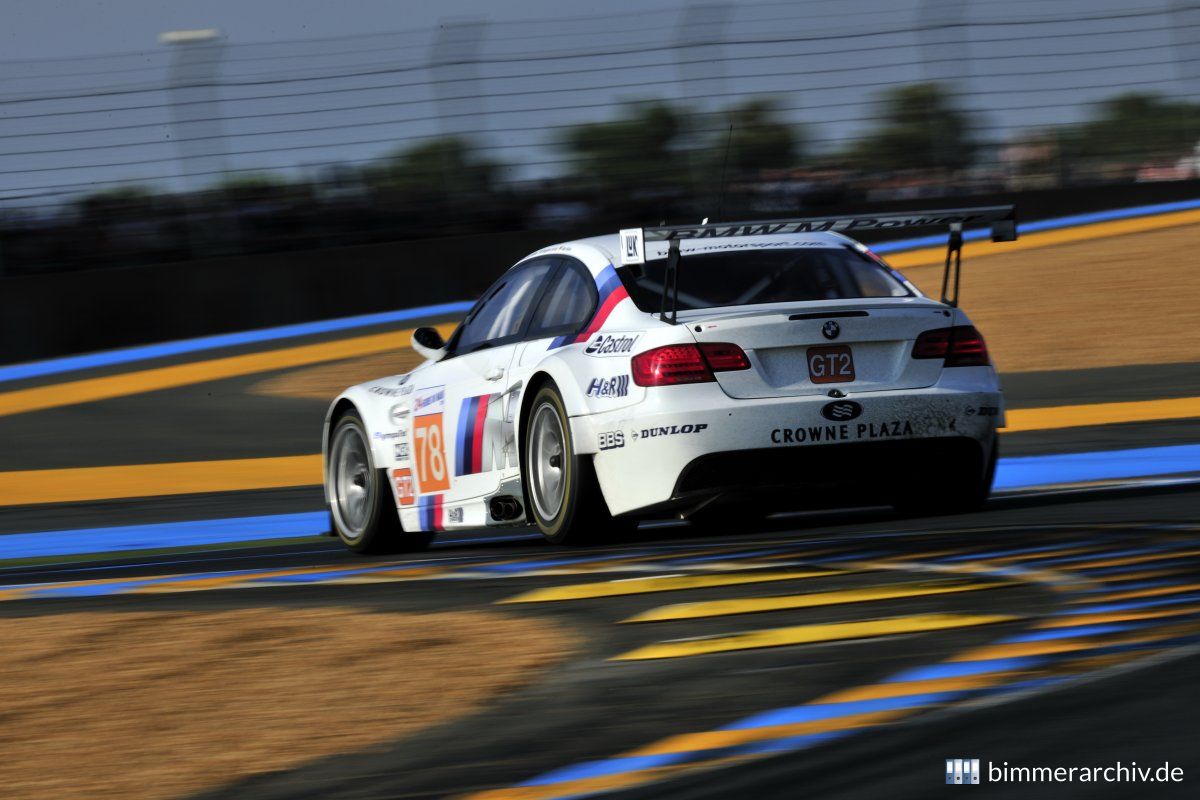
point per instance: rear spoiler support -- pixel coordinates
(1001, 219)
(954, 243)
(671, 283)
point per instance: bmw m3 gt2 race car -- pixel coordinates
(713, 371)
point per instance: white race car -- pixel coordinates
(711, 372)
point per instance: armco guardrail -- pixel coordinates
(43, 316)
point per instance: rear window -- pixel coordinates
(751, 277)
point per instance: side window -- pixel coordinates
(568, 303)
(505, 307)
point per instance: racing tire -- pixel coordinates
(956, 488)
(562, 495)
(361, 507)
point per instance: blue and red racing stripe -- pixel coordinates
(429, 512)
(612, 292)
(472, 419)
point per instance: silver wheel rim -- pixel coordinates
(547, 452)
(351, 481)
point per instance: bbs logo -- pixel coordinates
(610, 440)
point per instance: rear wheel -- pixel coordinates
(959, 486)
(562, 494)
(361, 507)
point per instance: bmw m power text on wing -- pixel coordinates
(716, 372)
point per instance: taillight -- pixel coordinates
(961, 346)
(932, 344)
(686, 363)
(673, 364)
(967, 348)
(724, 357)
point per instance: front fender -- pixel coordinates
(373, 401)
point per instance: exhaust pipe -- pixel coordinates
(504, 508)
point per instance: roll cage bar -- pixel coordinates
(1002, 220)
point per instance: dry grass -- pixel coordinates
(162, 704)
(327, 381)
(1131, 299)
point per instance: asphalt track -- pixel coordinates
(844, 653)
(838, 654)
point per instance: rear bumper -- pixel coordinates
(686, 443)
(822, 476)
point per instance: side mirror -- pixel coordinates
(429, 343)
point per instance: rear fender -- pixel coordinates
(572, 372)
(557, 369)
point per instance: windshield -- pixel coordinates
(750, 277)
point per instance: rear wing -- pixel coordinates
(1002, 220)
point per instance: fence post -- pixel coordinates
(944, 55)
(699, 39)
(199, 131)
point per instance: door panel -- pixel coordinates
(462, 426)
(475, 437)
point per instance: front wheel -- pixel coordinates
(360, 501)
(562, 494)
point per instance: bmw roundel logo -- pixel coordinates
(831, 329)
(841, 410)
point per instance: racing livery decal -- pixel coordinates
(429, 512)
(485, 439)
(611, 440)
(472, 423)
(669, 430)
(604, 345)
(403, 482)
(612, 292)
(432, 475)
(842, 433)
(616, 386)
(429, 400)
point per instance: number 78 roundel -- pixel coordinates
(432, 475)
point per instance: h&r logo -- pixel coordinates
(962, 770)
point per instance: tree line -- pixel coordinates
(660, 145)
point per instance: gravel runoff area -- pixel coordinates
(327, 381)
(160, 704)
(1113, 301)
(1110, 302)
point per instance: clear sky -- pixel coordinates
(50, 28)
(85, 98)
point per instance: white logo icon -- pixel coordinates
(962, 770)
